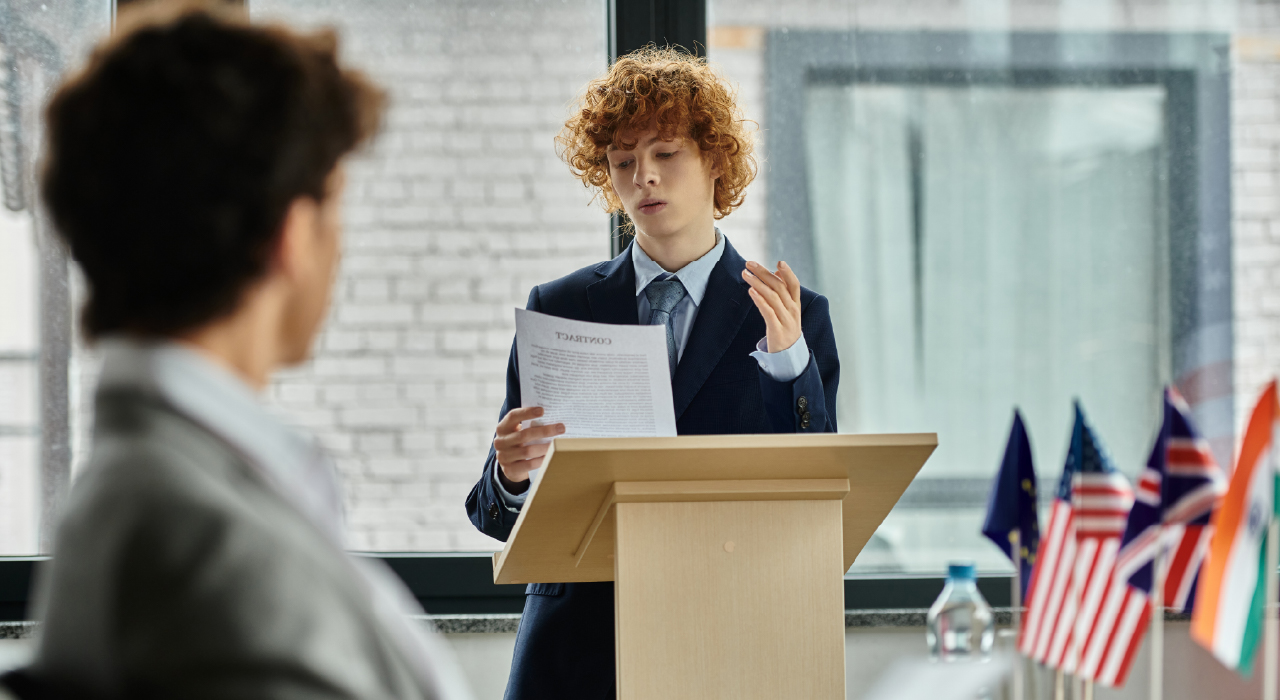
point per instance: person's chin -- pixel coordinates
(295, 356)
(657, 225)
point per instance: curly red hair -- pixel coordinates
(673, 93)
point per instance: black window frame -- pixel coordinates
(461, 583)
(634, 24)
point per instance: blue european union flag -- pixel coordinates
(1013, 502)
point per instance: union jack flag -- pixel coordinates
(1176, 494)
(1078, 554)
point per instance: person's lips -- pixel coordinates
(652, 206)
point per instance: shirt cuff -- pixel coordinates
(513, 502)
(782, 366)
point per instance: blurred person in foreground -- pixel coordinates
(195, 170)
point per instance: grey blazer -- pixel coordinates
(179, 572)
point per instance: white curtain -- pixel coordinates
(986, 247)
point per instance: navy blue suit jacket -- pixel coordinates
(565, 645)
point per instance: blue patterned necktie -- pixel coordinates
(663, 296)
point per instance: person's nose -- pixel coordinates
(646, 172)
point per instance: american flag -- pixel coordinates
(1077, 555)
(1176, 495)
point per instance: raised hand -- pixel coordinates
(777, 295)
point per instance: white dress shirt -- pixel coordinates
(783, 366)
(294, 464)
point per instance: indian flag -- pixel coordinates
(1227, 619)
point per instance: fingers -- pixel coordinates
(518, 470)
(770, 280)
(522, 450)
(777, 296)
(537, 432)
(766, 309)
(510, 423)
(789, 277)
(780, 303)
(515, 446)
(515, 454)
(784, 283)
(527, 435)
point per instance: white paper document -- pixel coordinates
(599, 379)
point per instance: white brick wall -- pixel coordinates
(457, 210)
(1255, 148)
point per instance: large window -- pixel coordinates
(1007, 206)
(19, 379)
(987, 247)
(1008, 203)
(39, 42)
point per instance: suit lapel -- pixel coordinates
(724, 308)
(612, 298)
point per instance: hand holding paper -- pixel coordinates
(521, 443)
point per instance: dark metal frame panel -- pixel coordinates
(634, 24)
(462, 583)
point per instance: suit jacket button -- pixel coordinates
(804, 421)
(494, 513)
(802, 403)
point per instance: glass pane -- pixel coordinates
(39, 41)
(1012, 204)
(457, 211)
(987, 247)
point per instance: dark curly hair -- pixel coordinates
(174, 154)
(677, 95)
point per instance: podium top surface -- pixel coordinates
(562, 509)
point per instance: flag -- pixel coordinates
(1227, 619)
(1012, 505)
(1077, 556)
(1176, 494)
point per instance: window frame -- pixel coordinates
(461, 583)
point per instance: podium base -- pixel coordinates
(732, 599)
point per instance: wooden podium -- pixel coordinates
(728, 552)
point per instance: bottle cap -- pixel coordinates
(962, 571)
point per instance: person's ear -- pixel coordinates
(715, 167)
(293, 254)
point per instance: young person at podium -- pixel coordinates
(660, 137)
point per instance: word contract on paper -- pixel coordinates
(599, 379)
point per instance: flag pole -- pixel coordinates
(1077, 593)
(1060, 686)
(1271, 634)
(1015, 597)
(1077, 681)
(1157, 624)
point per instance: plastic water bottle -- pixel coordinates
(960, 624)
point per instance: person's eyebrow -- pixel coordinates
(650, 140)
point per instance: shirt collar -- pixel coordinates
(693, 276)
(224, 405)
